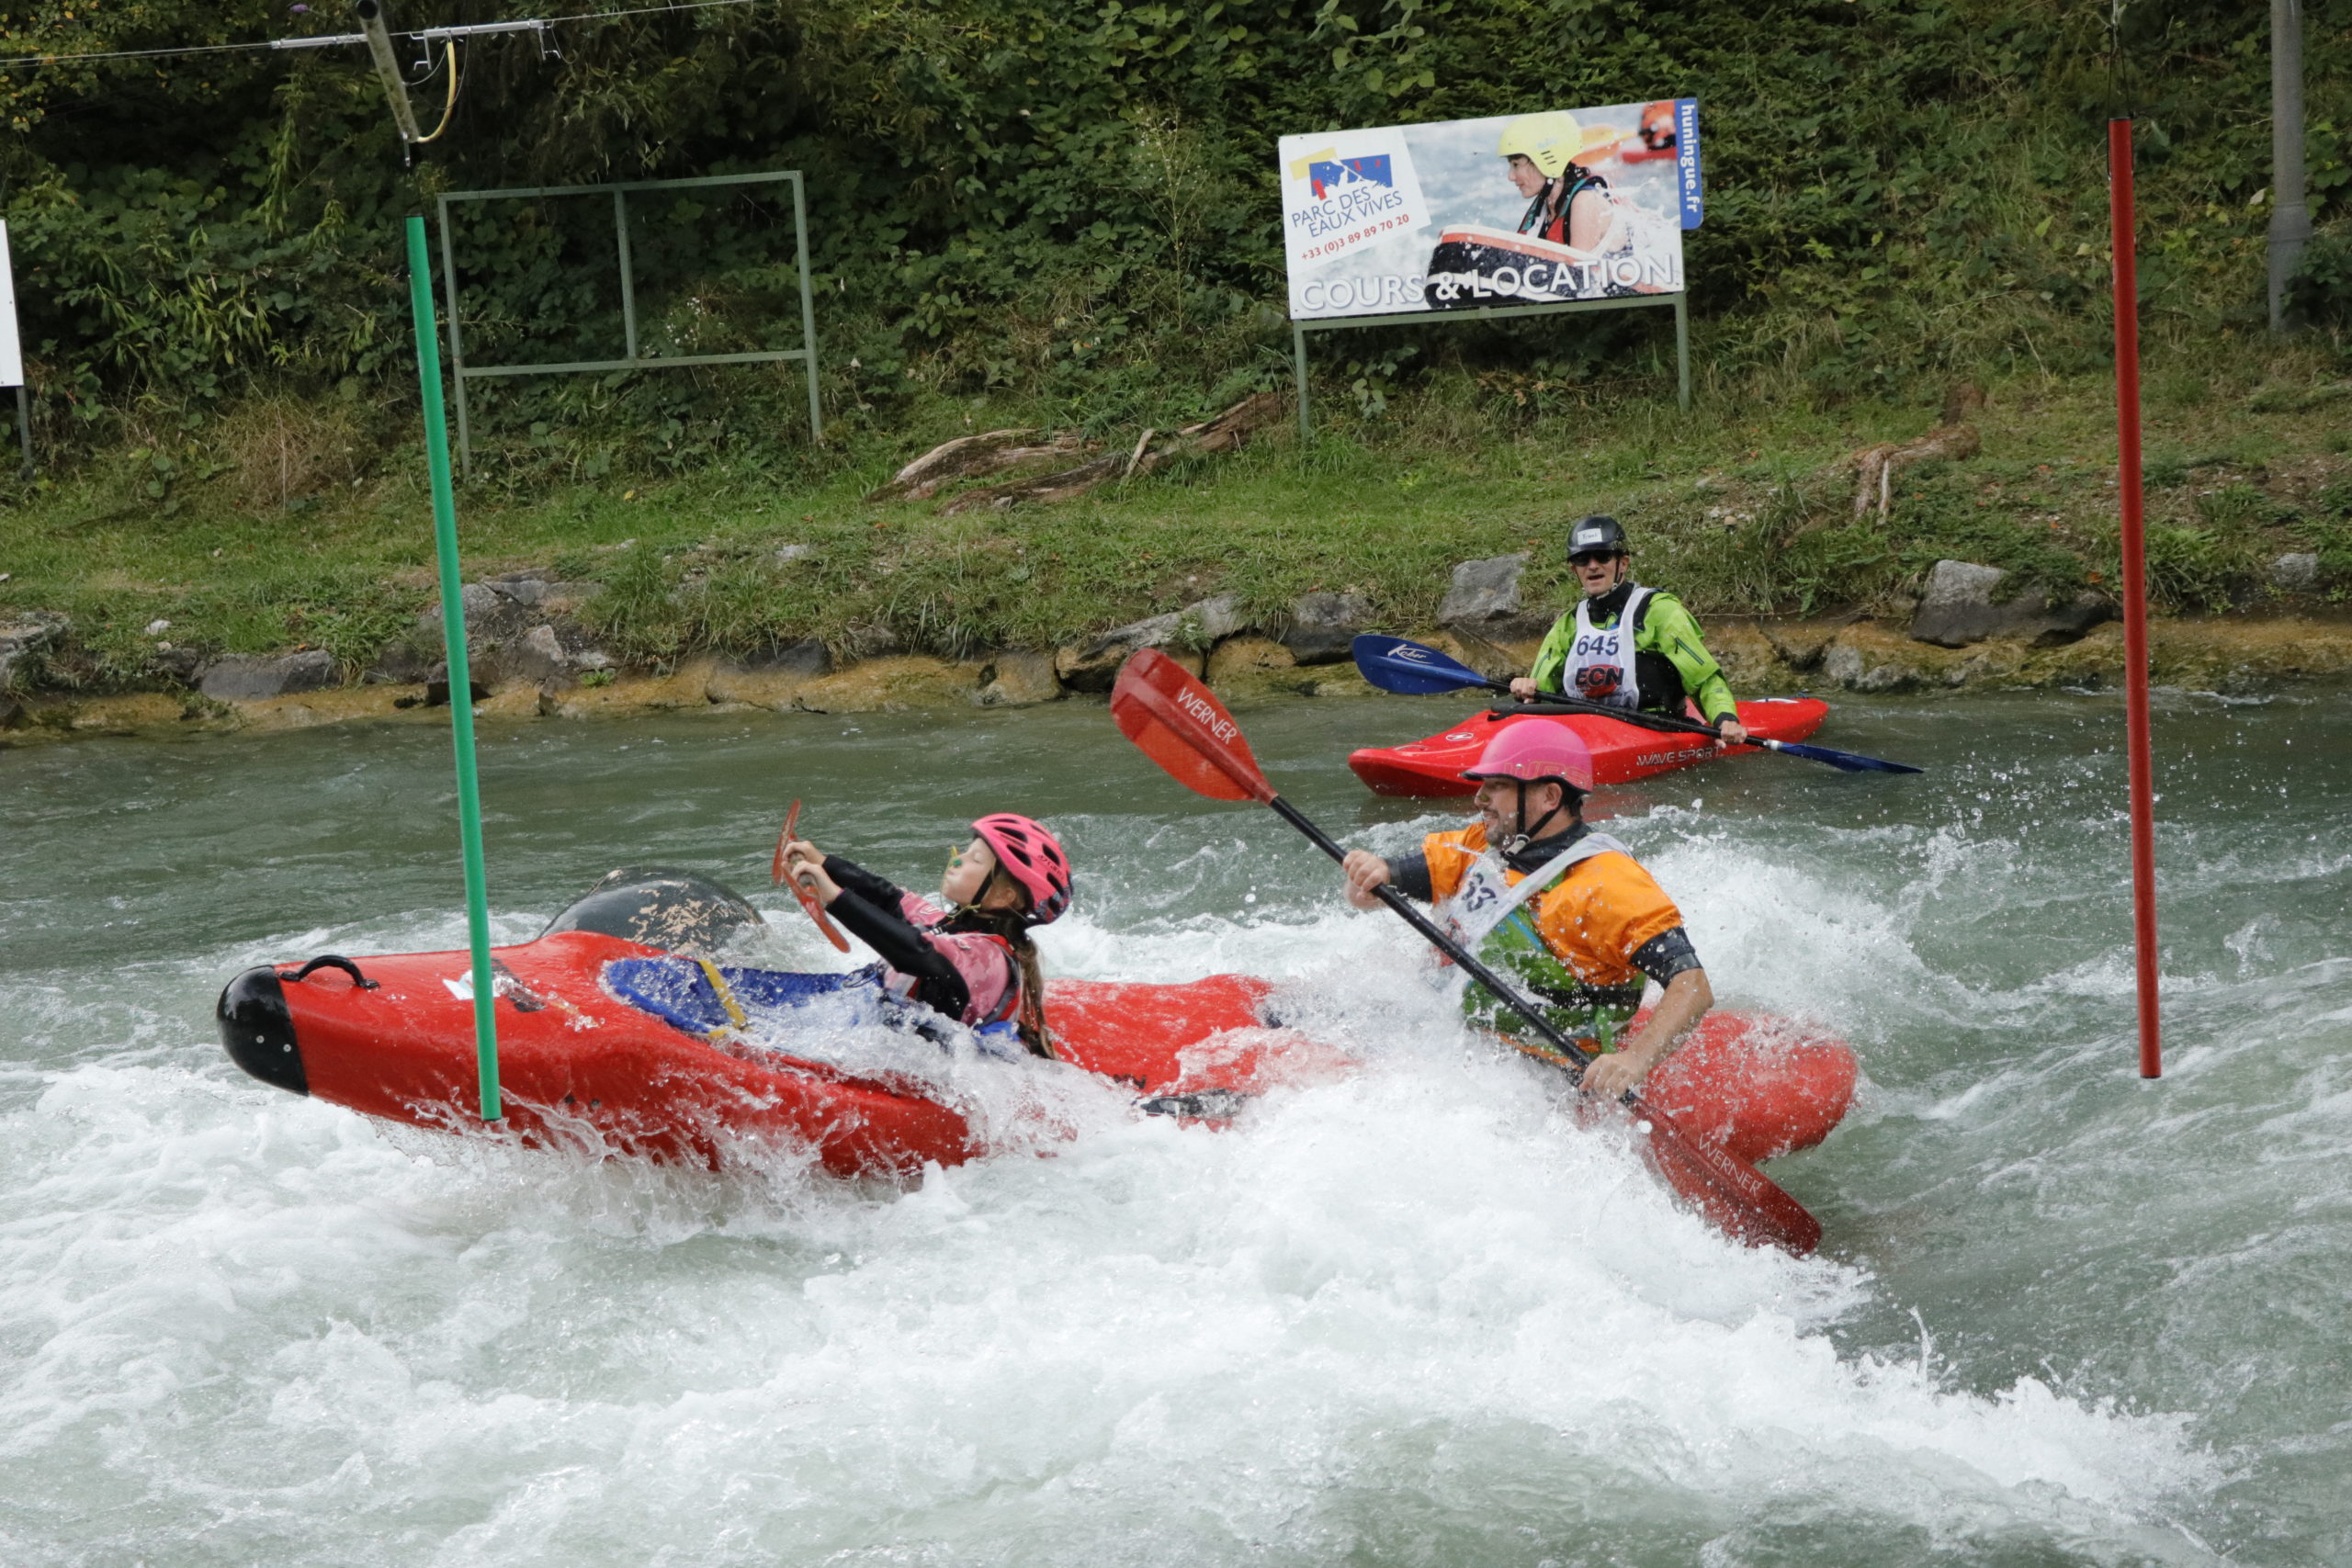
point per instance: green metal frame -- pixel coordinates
(806, 353)
(1300, 327)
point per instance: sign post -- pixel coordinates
(1298, 331)
(461, 683)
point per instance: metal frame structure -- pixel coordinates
(807, 353)
(1300, 327)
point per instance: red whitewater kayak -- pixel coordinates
(606, 1036)
(1621, 752)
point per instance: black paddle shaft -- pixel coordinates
(1664, 722)
(1557, 702)
(1577, 1058)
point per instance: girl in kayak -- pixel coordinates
(972, 962)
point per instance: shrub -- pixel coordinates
(2191, 568)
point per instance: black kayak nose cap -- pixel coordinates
(258, 1031)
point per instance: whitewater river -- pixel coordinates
(2062, 1314)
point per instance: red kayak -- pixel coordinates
(602, 1037)
(1621, 752)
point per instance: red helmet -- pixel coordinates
(1034, 857)
(1534, 749)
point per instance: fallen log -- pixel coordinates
(1227, 432)
(1875, 466)
(968, 456)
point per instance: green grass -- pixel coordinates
(1736, 506)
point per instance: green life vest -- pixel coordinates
(1491, 916)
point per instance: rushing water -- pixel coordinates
(2062, 1314)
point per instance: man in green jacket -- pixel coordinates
(1626, 646)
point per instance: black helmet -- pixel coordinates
(1597, 536)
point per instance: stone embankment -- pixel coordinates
(532, 659)
(1964, 633)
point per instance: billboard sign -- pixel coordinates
(11, 358)
(1512, 209)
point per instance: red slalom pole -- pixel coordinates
(2135, 592)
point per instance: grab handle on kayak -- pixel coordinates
(335, 961)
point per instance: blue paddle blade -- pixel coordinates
(1410, 669)
(1845, 760)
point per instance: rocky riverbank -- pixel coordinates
(534, 660)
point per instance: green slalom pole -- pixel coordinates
(461, 685)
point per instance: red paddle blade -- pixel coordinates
(1735, 1195)
(775, 867)
(1174, 721)
(808, 899)
(825, 924)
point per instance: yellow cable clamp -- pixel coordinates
(448, 109)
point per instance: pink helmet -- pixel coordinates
(1034, 857)
(1534, 749)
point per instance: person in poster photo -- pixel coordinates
(1656, 139)
(1567, 203)
(1578, 237)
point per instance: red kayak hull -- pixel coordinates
(1755, 1086)
(1621, 752)
(582, 1067)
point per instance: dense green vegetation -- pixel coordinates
(1073, 204)
(1025, 211)
(1743, 510)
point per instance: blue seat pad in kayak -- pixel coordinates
(678, 990)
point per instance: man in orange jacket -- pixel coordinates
(1565, 914)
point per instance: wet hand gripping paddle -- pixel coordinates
(1413, 668)
(808, 899)
(1174, 720)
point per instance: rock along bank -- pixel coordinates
(533, 660)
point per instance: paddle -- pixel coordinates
(1174, 720)
(1413, 668)
(808, 899)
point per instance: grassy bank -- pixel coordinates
(285, 530)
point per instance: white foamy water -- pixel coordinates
(1416, 1316)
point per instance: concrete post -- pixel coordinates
(2291, 220)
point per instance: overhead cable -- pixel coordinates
(435, 35)
(428, 35)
